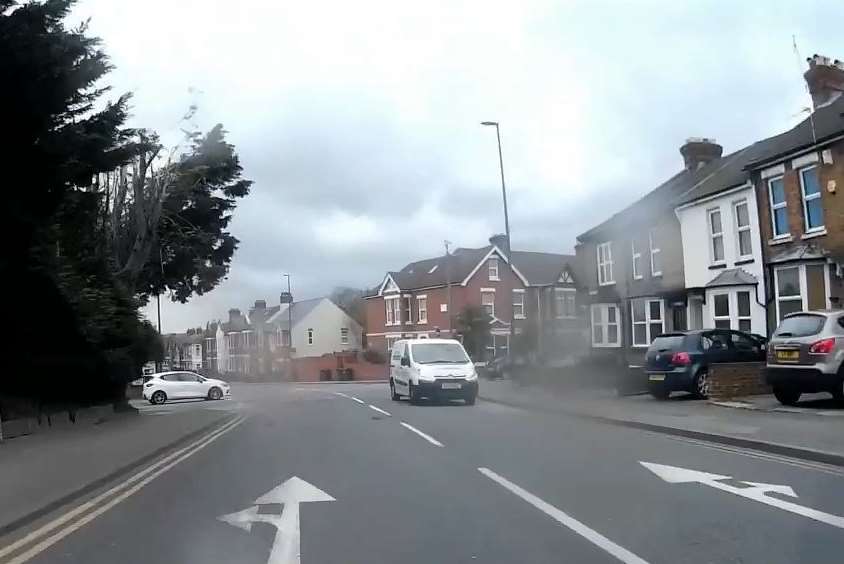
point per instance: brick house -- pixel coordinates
(537, 292)
(801, 212)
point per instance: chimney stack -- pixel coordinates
(697, 151)
(825, 79)
(500, 241)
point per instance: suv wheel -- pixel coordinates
(786, 396)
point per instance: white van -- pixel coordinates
(432, 368)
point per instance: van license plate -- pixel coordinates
(656, 377)
(451, 385)
(788, 356)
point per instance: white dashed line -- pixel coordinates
(341, 394)
(379, 410)
(360, 401)
(592, 536)
(425, 436)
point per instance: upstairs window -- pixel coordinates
(742, 216)
(812, 206)
(656, 254)
(422, 306)
(779, 207)
(716, 236)
(488, 303)
(492, 268)
(408, 312)
(605, 274)
(637, 261)
(344, 335)
(310, 336)
(518, 304)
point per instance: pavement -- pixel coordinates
(340, 473)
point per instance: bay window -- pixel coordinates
(648, 320)
(789, 297)
(605, 331)
(731, 310)
(743, 306)
(721, 311)
(810, 189)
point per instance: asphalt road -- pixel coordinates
(442, 484)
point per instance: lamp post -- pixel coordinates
(506, 224)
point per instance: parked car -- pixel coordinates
(432, 368)
(805, 355)
(680, 361)
(184, 385)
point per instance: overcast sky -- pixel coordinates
(359, 121)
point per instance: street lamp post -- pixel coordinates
(506, 224)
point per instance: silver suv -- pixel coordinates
(805, 355)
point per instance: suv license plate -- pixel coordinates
(788, 356)
(656, 377)
(451, 385)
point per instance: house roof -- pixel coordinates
(733, 277)
(541, 269)
(728, 171)
(300, 311)
(538, 268)
(807, 251)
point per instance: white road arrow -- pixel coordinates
(755, 490)
(290, 493)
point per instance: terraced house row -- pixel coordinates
(730, 241)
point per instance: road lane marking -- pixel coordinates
(153, 470)
(341, 394)
(757, 491)
(425, 436)
(379, 410)
(566, 520)
(360, 401)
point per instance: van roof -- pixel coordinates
(417, 341)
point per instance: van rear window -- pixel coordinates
(668, 342)
(800, 326)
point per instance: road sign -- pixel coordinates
(757, 491)
(290, 493)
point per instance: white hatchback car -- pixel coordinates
(184, 385)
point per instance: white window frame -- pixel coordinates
(729, 317)
(749, 316)
(519, 305)
(637, 261)
(654, 251)
(605, 266)
(310, 336)
(422, 309)
(742, 228)
(603, 310)
(647, 321)
(492, 269)
(391, 310)
(773, 207)
(713, 235)
(804, 199)
(344, 335)
(486, 292)
(802, 287)
(407, 308)
(562, 297)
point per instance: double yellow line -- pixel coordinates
(47, 535)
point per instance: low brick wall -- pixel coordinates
(730, 380)
(333, 368)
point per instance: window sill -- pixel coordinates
(638, 277)
(812, 234)
(600, 346)
(656, 274)
(639, 346)
(422, 322)
(780, 240)
(744, 261)
(606, 283)
(717, 266)
(519, 317)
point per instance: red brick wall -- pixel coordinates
(736, 379)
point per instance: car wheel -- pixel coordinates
(393, 395)
(701, 385)
(158, 398)
(659, 391)
(470, 399)
(215, 393)
(786, 396)
(413, 393)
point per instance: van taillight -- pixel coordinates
(681, 359)
(824, 346)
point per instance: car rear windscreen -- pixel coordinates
(668, 342)
(800, 326)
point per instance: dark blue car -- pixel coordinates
(680, 361)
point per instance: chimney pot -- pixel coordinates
(697, 151)
(825, 79)
(500, 241)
